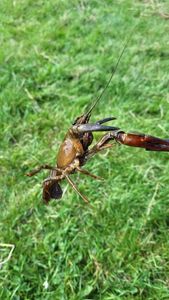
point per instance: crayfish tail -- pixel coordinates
(51, 190)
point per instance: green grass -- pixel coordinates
(54, 56)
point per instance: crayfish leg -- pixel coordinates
(89, 174)
(77, 190)
(40, 168)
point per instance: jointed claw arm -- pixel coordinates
(148, 142)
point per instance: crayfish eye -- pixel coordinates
(76, 121)
(81, 120)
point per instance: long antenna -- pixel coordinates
(109, 81)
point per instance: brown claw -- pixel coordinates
(150, 143)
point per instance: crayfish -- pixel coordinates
(74, 152)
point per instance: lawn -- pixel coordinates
(55, 58)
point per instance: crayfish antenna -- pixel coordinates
(89, 111)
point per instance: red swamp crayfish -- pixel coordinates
(74, 151)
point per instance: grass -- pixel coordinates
(54, 57)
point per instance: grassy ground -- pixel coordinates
(54, 57)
